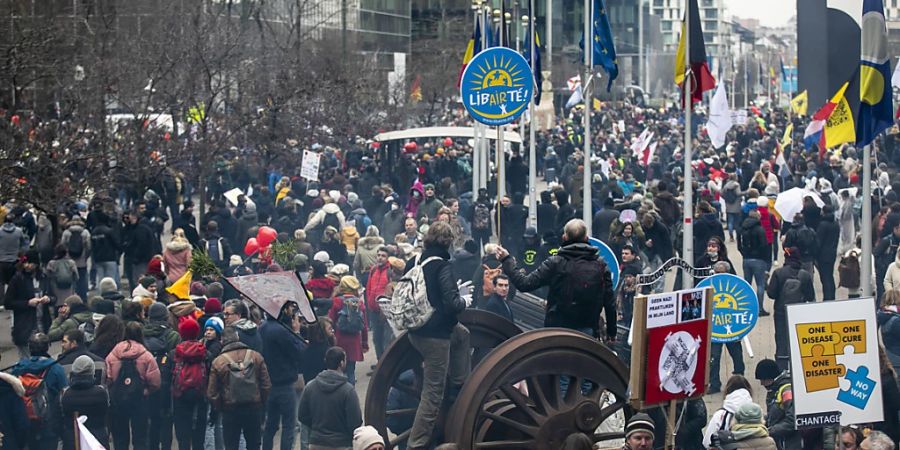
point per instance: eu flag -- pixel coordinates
(538, 76)
(604, 49)
(875, 105)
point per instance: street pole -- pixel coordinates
(746, 80)
(501, 155)
(865, 270)
(586, 208)
(640, 64)
(532, 135)
(476, 138)
(687, 247)
(548, 38)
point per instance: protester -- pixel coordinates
(788, 284)
(737, 393)
(13, 416)
(189, 380)
(131, 376)
(348, 314)
(329, 405)
(283, 353)
(639, 432)
(779, 404)
(33, 371)
(84, 397)
(747, 432)
(73, 346)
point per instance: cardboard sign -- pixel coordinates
(309, 168)
(834, 362)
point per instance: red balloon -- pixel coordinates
(266, 236)
(376, 145)
(410, 147)
(251, 247)
(448, 142)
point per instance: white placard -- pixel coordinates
(739, 117)
(310, 166)
(662, 310)
(834, 362)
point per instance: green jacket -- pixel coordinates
(162, 331)
(61, 326)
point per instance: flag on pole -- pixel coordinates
(720, 120)
(772, 75)
(787, 139)
(648, 154)
(817, 129)
(642, 142)
(538, 77)
(784, 75)
(472, 49)
(575, 98)
(895, 78)
(701, 80)
(573, 82)
(86, 439)
(839, 128)
(875, 104)
(602, 44)
(415, 91)
(800, 103)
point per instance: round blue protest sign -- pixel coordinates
(607, 254)
(496, 86)
(735, 307)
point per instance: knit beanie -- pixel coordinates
(188, 328)
(365, 437)
(216, 324)
(748, 413)
(198, 289)
(767, 369)
(640, 422)
(147, 281)
(107, 284)
(349, 283)
(158, 312)
(215, 290)
(101, 305)
(213, 306)
(83, 365)
(235, 260)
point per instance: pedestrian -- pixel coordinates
(84, 397)
(321, 338)
(61, 276)
(109, 332)
(876, 440)
(888, 318)
(442, 341)
(72, 315)
(283, 353)
(789, 284)
(640, 432)
(757, 255)
(105, 248)
(131, 376)
(239, 386)
(189, 380)
(890, 397)
(73, 346)
(731, 194)
(33, 371)
(13, 416)
(737, 392)
(330, 407)
(497, 302)
(13, 243)
(236, 314)
(160, 339)
(379, 278)
(137, 245)
(779, 404)
(367, 438)
(77, 240)
(850, 438)
(580, 284)
(747, 432)
(176, 258)
(348, 313)
(21, 297)
(804, 239)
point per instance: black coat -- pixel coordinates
(828, 235)
(19, 291)
(603, 221)
(546, 217)
(13, 418)
(87, 399)
(498, 306)
(752, 241)
(105, 244)
(440, 286)
(137, 243)
(662, 241)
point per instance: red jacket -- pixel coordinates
(769, 223)
(379, 279)
(354, 344)
(321, 287)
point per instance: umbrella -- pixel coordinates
(790, 202)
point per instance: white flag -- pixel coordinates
(895, 78)
(640, 144)
(719, 117)
(575, 98)
(86, 440)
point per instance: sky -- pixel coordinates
(770, 13)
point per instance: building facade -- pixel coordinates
(715, 25)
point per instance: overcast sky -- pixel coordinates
(769, 12)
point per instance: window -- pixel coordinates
(711, 14)
(666, 26)
(711, 26)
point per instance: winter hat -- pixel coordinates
(215, 290)
(101, 305)
(397, 263)
(640, 422)
(188, 328)
(274, 267)
(428, 186)
(762, 201)
(352, 197)
(198, 289)
(147, 281)
(322, 256)
(340, 270)
(83, 365)
(250, 207)
(216, 324)
(158, 312)
(107, 284)
(365, 437)
(349, 283)
(213, 306)
(335, 195)
(767, 369)
(155, 266)
(300, 260)
(772, 189)
(748, 413)
(300, 234)
(235, 260)
(312, 193)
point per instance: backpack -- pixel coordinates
(65, 277)
(848, 271)
(481, 218)
(331, 219)
(37, 403)
(242, 385)
(350, 319)
(584, 279)
(806, 240)
(362, 224)
(88, 329)
(792, 292)
(409, 308)
(729, 195)
(189, 378)
(487, 279)
(128, 388)
(215, 251)
(75, 245)
(157, 347)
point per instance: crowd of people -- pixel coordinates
(151, 366)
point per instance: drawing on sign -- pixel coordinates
(496, 86)
(678, 362)
(821, 343)
(735, 307)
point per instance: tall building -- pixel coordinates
(715, 27)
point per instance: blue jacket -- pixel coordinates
(282, 351)
(498, 306)
(55, 380)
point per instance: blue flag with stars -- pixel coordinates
(604, 49)
(538, 76)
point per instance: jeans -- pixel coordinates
(734, 219)
(350, 371)
(756, 269)
(128, 424)
(281, 408)
(159, 431)
(443, 359)
(81, 287)
(304, 437)
(382, 335)
(564, 380)
(826, 275)
(736, 351)
(243, 420)
(782, 341)
(190, 423)
(108, 269)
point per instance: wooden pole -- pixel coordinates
(670, 425)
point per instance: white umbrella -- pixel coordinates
(790, 202)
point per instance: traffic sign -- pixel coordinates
(497, 86)
(607, 255)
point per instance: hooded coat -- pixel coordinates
(18, 292)
(366, 251)
(248, 332)
(146, 364)
(720, 419)
(86, 398)
(318, 218)
(77, 228)
(12, 242)
(330, 408)
(177, 258)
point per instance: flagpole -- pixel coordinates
(532, 135)
(484, 156)
(687, 247)
(865, 270)
(587, 88)
(476, 137)
(501, 156)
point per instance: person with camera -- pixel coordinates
(348, 313)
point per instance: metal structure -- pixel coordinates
(516, 396)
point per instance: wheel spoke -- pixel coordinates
(400, 412)
(526, 429)
(537, 392)
(402, 437)
(600, 437)
(573, 391)
(520, 401)
(505, 444)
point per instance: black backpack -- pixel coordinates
(584, 279)
(128, 388)
(157, 347)
(331, 219)
(75, 246)
(792, 291)
(214, 250)
(729, 195)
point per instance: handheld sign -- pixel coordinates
(497, 86)
(607, 255)
(735, 307)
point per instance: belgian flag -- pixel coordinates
(701, 80)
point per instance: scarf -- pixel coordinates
(745, 431)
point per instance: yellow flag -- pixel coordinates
(786, 139)
(839, 127)
(800, 103)
(597, 104)
(181, 288)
